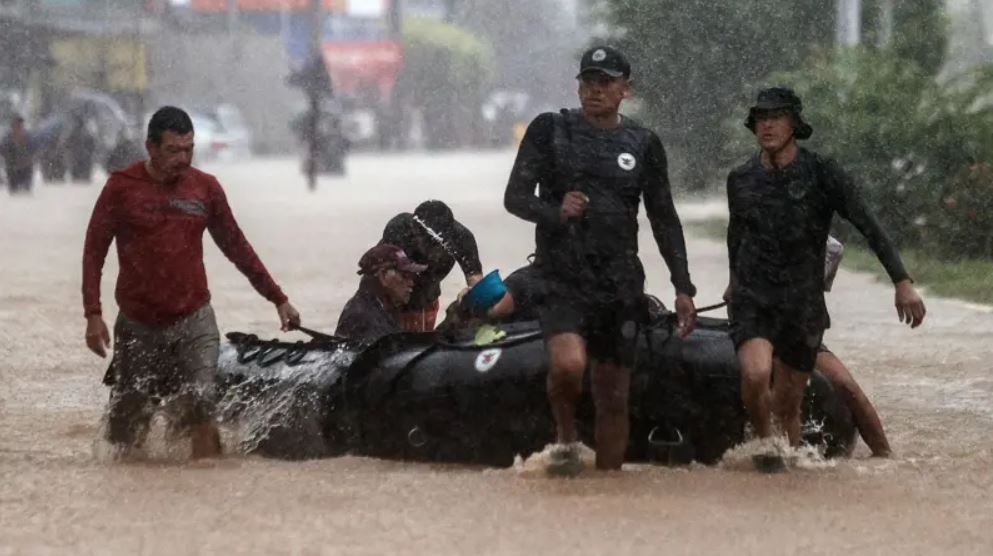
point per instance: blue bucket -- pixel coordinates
(487, 292)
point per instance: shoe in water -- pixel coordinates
(564, 460)
(769, 463)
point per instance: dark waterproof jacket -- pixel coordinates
(366, 317)
(778, 229)
(616, 168)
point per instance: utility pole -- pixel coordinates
(978, 15)
(849, 30)
(232, 16)
(313, 93)
(885, 23)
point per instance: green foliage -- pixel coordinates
(920, 33)
(919, 149)
(535, 44)
(446, 72)
(694, 61)
(965, 279)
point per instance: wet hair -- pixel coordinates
(168, 118)
(436, 215)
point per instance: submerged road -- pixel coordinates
(58, 494)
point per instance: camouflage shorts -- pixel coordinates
(175, 365)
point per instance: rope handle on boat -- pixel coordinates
(679, 441)
(319, 335)
(671, 318)
(708, 308)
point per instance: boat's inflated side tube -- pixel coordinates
(417, 398)
(685, 395)
(279, 394)
(411, 396)
(688, 391)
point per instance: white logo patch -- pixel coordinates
(487, 359)
(600, 55)
(626, 161)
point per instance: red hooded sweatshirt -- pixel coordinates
(159, 233)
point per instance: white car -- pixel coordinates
(232, 136)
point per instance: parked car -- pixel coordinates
(220, 133)
(205, 130)
(233, 132)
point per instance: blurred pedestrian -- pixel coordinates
(431, 236)
(80, 145)
(18, 156)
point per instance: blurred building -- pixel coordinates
(51, 47)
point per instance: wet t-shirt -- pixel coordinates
(778, 229)
(615, 168)
(366, 318)
(159, 235)
(404, 232)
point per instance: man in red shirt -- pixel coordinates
(166, 338)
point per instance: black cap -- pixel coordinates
(384, 256)
(604, 59)
(780, 98)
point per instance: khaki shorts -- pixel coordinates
(174, 365)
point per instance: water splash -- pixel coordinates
(804, 457)
(534, 465)
(160, 444)
(279, 400)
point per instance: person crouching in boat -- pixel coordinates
(431, 236)
(387, 281)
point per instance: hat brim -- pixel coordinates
(802, 130)
(770, 106)
(412, 267)
(597, 69)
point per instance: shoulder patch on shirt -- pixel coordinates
(626, 161)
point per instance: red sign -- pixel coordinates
(358, 68)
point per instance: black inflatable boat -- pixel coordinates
(416, 396)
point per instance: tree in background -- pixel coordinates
(695, 60)
(537, 45)
(921, 147)
(920, 33)
(912, 30)
(447, 72)
(921, 150)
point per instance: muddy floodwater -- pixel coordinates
(933, 388)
